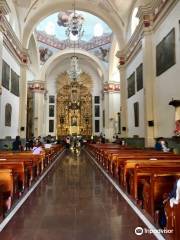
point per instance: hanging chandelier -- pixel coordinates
(75, 27)
(74, 71)
(75, 32)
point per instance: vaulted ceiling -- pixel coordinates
(114, 12)
(121, 8)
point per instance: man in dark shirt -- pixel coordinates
(17, 144)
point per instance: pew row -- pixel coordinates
(146, 175)
(19, 170)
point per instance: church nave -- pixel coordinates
(75, 202)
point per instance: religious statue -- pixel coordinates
(74, 121)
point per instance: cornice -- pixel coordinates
(10, 39)
(113, 87)
(37, 86)
(132, 47)
(4, 8)
(150, 15)
(163, 11)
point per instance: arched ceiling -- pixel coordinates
(92, 77)
(58, 64)
(120, 7)
(114, 12)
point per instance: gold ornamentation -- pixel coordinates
(74, 106)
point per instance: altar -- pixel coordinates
(74, 109)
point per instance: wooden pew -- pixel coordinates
(96, 149)
(116, 159)
(126, 164)
(1, 201)
(154, 179)
(8, 188)
(148, 180)
(20, 169)
(35, 162)
(27, 157)
(173, 220)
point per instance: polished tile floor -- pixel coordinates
(74, 202)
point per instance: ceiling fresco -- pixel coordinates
(52, 37)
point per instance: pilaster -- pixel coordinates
(110, 89)
(149, 78)
(123, 94)
(23, 101)
(38, 88)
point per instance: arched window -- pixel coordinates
(8, 115)
(134, 20)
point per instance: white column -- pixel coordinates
(38, 107)
(109, 115)
(149, 93)
(106, 109)
(123, 108)
(23, 101)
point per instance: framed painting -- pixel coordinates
(131, 85)
(166, 53)
(5, 75)
(139, 77)
(14, 83)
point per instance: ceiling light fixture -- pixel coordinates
(75, 30)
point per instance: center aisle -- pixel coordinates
(74, 202)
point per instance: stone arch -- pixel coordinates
(114, 62)
(34, 55)
(100, 11)
(65, 52)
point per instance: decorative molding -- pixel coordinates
(9, 37)
(4, 8)
(150, 16)
(54, 42)
(112, 87)
(132, 47)
(37, 86)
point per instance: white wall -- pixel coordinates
(31, 76)
(167, 85)
(138, 97)
(132, 130)
(8, 97)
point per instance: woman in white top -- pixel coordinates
(37, 149)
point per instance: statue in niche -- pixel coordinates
(74, 121)
(8, 113)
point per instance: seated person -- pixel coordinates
(37, 149)
(17, 144)
(161, 145)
